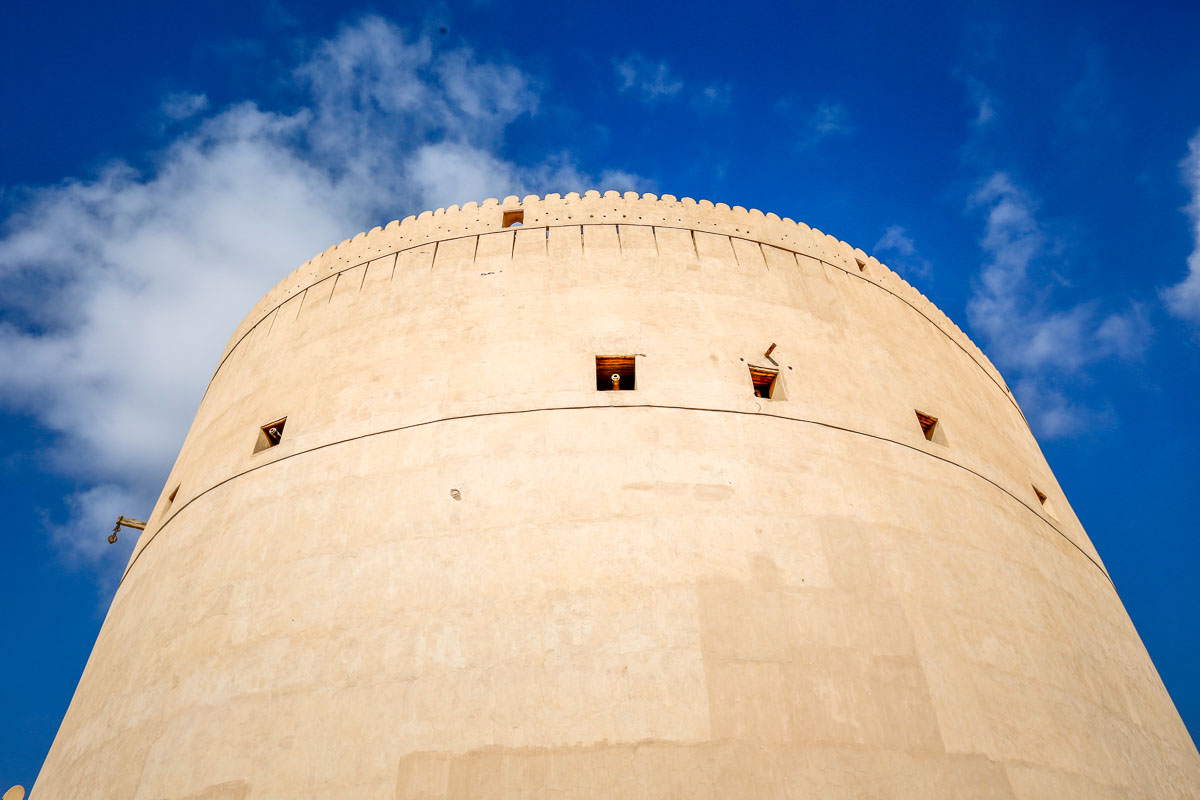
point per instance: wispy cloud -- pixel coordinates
(817, 123)
(1045, 346)
(120, 290)
(655, 82)
(181, 105)
(650, 81)
(1085, 114)
(1183, 299)
(982, 100)
(903, 257)
(714, 97)
(1054, 414)
(828, 120)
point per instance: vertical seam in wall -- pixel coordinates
(270, 328)
(654, 236)
(363, 282)
(303, 300)
(395, 261)
(336, 278)
(433, 260)
(736, 260)
(695, 249)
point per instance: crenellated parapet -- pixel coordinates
(610, 208)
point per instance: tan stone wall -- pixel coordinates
(677, 591)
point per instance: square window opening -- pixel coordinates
(764, 381)
(512, 219)
(270, 435)
(930, 427)
(616, 373)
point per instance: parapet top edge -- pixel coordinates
(441, 224)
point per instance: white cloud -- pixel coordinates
(815, 123)
(654, 82)
(91, 509)
(182, 105)
(1044, 346)
(651, 81)
(983, 100)
(825, 121)
(985, 111)
(904, 258)
(129, 286)
(1183, 299)
(1053, 414)
(830, 118)
(445, 172)
(619, 180)
(715, 97)
(119, 291)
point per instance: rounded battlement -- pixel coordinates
(596, 208)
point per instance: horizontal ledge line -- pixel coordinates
(514, 412)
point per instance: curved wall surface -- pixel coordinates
(464, 572)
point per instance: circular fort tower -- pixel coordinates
(416, 545)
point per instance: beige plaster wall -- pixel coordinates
(678, 591)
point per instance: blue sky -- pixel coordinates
(1034, 168)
